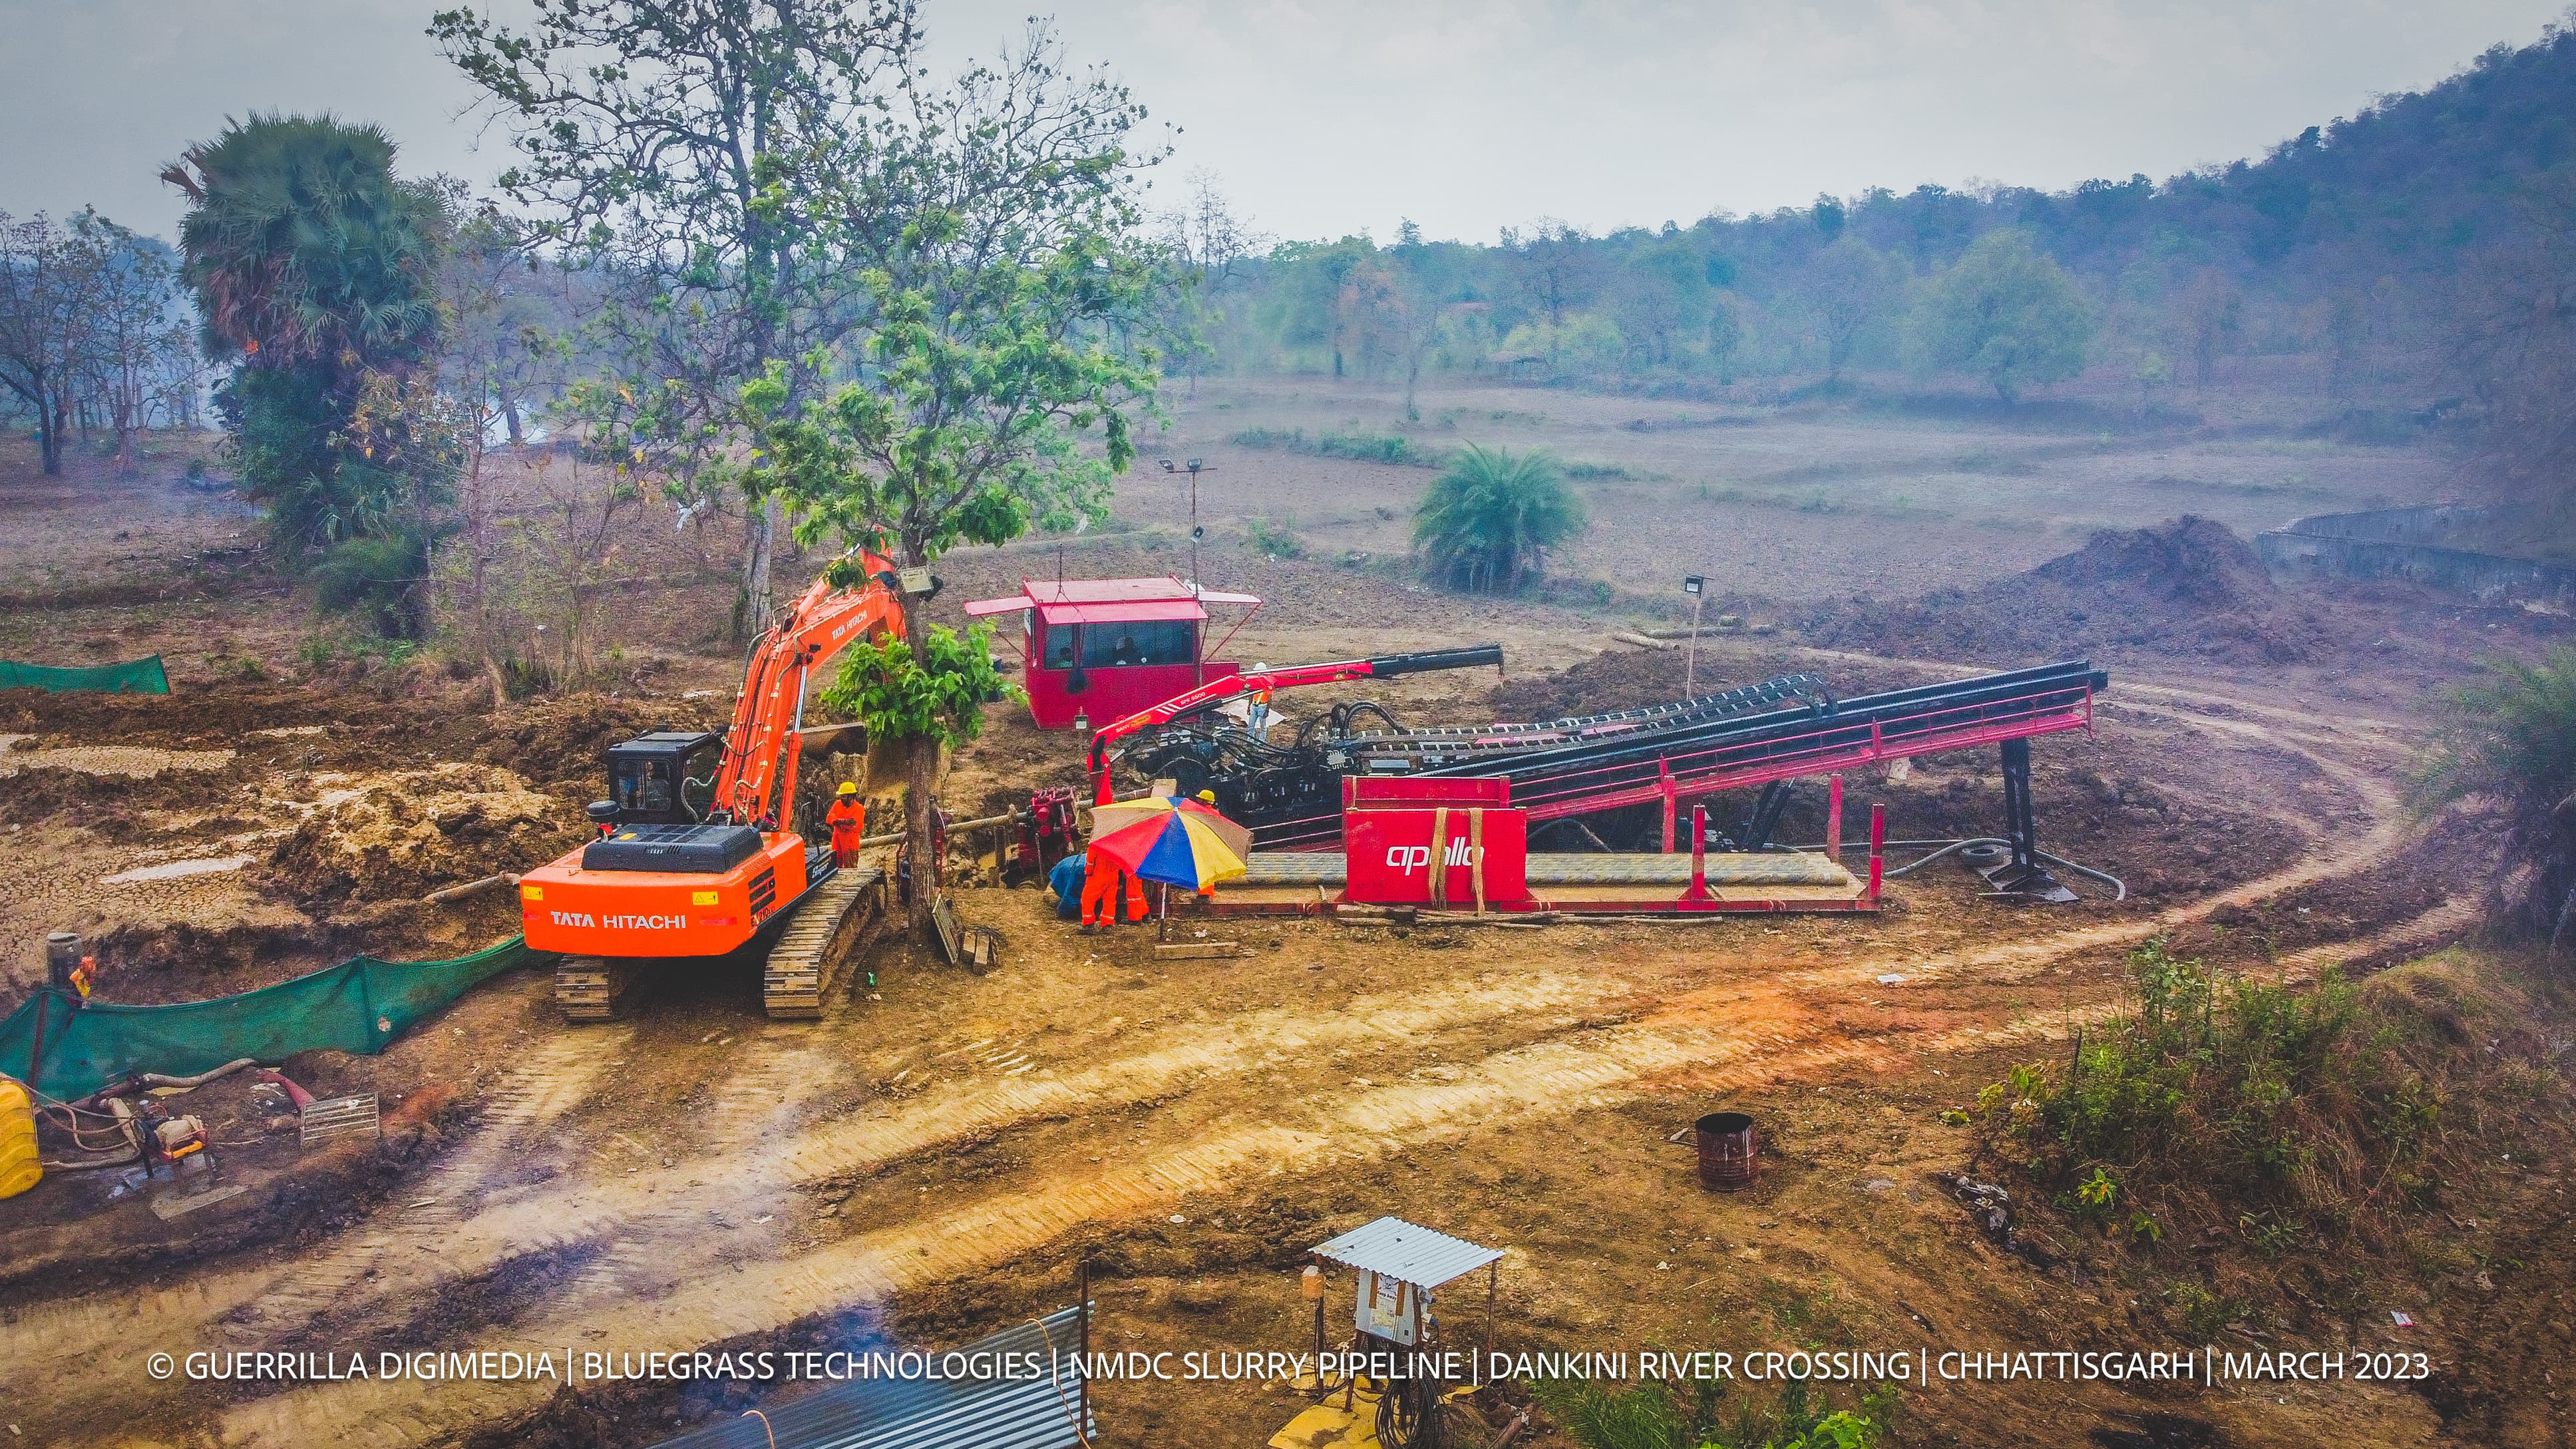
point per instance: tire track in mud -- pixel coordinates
(652, 1235)
(2375, 846)
(1607, 1067)
(1546, 1077)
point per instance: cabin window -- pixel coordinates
(1147, 641)
(1059, 647)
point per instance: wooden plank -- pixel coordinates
(1198, 951)
(943, 921)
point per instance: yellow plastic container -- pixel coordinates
(19, 1169)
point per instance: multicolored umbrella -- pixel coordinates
(1163, 838)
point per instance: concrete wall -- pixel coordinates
(2407, 543)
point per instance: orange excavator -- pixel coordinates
(697, 855)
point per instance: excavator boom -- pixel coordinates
(756, 785)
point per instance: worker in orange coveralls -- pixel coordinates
(1101, 877)
(848, 818)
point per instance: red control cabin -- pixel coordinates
(1098, 650)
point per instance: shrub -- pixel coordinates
(378, 579)
(1363, 446)
(2512, 739)
(1489, 521)
(2276, 1111)
(1277, 539)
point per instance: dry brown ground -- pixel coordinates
(927, 1161)
(1785, 501)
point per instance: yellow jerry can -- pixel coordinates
(19, 1169)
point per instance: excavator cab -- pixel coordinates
(667, 777)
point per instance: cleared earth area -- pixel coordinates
(928, 1162)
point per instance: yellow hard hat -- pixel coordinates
(1208, 795)
(848, 789)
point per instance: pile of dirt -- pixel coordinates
(563, 742)
(398, 835)
(2188, 589)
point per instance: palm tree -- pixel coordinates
(1487, 523)
(304, 246)
(315, 269)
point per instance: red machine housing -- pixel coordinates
(1418, 841)
(1103, 649)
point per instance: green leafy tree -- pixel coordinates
(1661, 298)
(691, 151)
(1848, 286)
(315, 271)
(936, 693)
(1727, 332)
(1488, 522)
(997, 383)
(2511, 344)
(2512, 739)
(2004, 313)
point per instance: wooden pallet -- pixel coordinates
(812, 950)
(589, 988)
(339, 1117)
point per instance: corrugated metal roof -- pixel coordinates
(1407, 1252)
(897, 1413)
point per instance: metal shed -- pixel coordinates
(966, 1413)
(1399, 1264)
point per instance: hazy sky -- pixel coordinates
(1330, 116)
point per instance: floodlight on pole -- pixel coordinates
(1196, 466)
(1697, 588)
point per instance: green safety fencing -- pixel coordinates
(140, 676)
(358, 1006)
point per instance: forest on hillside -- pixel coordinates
(2415, 255)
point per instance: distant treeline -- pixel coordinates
(2349, 243)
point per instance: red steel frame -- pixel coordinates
(1726, 767)
(1708, 771)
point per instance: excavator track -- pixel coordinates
(589, 988)
(816, 945)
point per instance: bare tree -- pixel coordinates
(137, 350)
(1848, 285)
(50, 277)
(1556, 265)
(1209, 245)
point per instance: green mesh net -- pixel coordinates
(140, 676)
(358, 1006)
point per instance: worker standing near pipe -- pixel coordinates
(848, 819)
(1102, 879)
